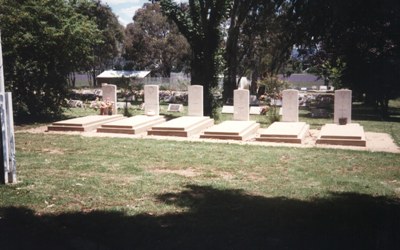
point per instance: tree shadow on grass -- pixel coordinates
(215, 219)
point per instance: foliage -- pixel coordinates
(111, 34)
(43, 41)
(200, 22)
(239, 12)
(261, 44)
(369, 47)
(152, 42)
(273, 91)
(273, 86)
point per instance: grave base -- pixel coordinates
(83, 124)
(132, 125)
(288, 132)
(232, 130)
(348, 135)
(184, 126)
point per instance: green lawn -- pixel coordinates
(78, 192)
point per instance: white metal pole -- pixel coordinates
(3, 127)
(1, 68)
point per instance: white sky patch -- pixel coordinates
(116, 2)
(125, 15)
(125, 9)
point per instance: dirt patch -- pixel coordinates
(55, 151)
(182, 172)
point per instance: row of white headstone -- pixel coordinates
(290, 103)
(342, 105)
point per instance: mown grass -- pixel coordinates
(78, 192)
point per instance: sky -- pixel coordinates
(125, 9)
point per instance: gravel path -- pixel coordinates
(376, 142)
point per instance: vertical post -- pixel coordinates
(7, 152)
(4, 139)
(1, 68)
(3, 166)
(12, 163)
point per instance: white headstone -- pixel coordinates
(241, 105)
(290, 105)
(195, 100)
(151, 99)
(342, 106)
(110, 94)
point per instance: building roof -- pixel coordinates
(123, 73)
(302, 78)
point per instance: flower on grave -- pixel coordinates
(106, 107)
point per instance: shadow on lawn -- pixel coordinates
(216, 219)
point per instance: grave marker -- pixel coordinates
(342, 106)
(175, 107)
(195, 102)
(110, 94)
(151, 99)
(241, 105)
(290, 105)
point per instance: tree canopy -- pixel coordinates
(200, 22)
(363, 38)
(111, 36)
(43, 41)
(152, 42)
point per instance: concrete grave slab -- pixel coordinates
(184, 126)
(289, 132)
(348, 135)
(232, 130)
(81, 124)
(132, 125)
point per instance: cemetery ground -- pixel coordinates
(78, 192)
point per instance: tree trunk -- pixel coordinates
(231, 61)
(203, 73)
(254, 77)
(94, 77)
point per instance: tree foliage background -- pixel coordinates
(152, 42)
(200, 22)
(360, 45)
(43, 41)
(111, 35)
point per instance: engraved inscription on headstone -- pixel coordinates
(151, 99)
(241, 105)
(290, 105)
